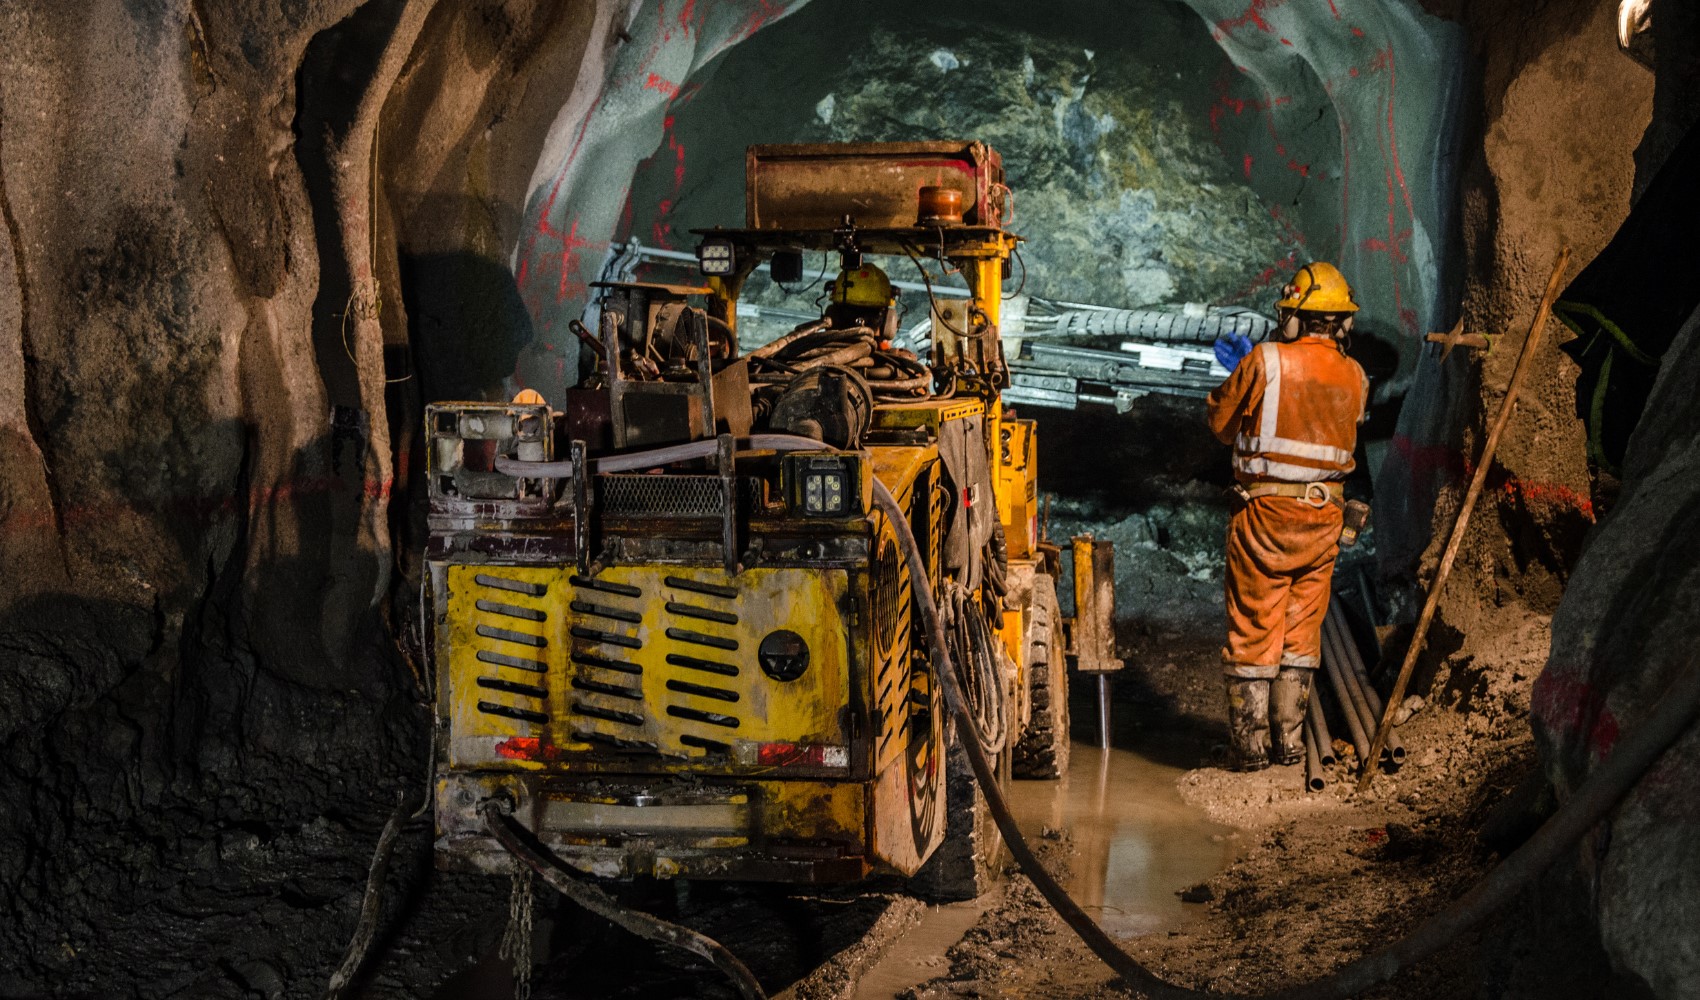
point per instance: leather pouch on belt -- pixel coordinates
(1354, 517)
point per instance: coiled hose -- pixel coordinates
(892, 374)
(1676, 711)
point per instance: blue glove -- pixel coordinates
(1232, 349)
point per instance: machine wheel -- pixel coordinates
(973, 855)
(1042, 751)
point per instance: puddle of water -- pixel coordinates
(919, 956)
(1136, 842)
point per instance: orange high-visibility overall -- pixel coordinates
(1291, 411)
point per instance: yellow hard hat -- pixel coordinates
(528, 397)
(1318, 287)
(863, 286)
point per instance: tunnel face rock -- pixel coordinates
(1121, 194)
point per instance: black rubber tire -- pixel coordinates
(1042, 750)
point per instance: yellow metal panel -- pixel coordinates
(808, 810)
(1018, 486)
(929, 413)
(661, 659)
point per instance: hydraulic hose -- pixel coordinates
(1635, 752)
(497, 817)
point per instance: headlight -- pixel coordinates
(783, 655)
(826, 485)
(715, 257)
(823, 492)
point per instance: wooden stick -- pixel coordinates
(1452, 544)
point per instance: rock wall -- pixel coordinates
(1620, 636)
(1558, 115)
(203, 713)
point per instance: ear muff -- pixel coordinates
(1290, 325)
(1309, 291)
(1346, 326)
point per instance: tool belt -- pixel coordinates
(1318, 495)
(1354, 513)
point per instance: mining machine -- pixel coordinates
(672, 621)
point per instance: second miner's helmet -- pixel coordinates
(865, 286)
(1318, 287)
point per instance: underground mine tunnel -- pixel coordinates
(716, 498)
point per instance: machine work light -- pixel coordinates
(715, 257)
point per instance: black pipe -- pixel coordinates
(1319, 723)
(1673, 713)
(1313, 759)
(1077, 919)
(1354, 724)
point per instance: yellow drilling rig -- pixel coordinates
(672, 629)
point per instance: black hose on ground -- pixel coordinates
(497, 817)
(1676, 710)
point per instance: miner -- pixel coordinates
(1291, 408)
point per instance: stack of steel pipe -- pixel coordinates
(1359, 701)
(1359, 704)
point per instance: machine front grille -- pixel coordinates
(633, 663)
(669, 496)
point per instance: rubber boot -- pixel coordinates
(1248, 723)
(1289, 699)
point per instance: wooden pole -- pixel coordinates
(1457, 538)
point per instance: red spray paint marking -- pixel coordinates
(667, 88)
(678, 156)
(1575, 706)
(570, 246)
(1377, 245)
(768, 11)
(1248, 166)
(1289, 231)
(661, 232)
(1253, 15)
(1438, 463)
